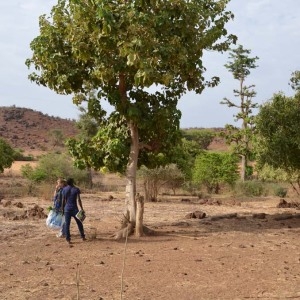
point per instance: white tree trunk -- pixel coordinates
(243, 168)
(139, 215)
(131, 174)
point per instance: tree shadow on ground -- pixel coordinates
(230, 223)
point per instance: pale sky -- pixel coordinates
(269, 28)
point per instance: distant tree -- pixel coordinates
(184, 155)
(295, 81)
(7, 155)
(240, 65)
(57, 138)
(277, 138)
(81, 147)
(213, 169)
(203, 137)
(154, 179)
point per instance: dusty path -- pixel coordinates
(229, 258)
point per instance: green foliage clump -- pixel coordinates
(277, 126)
(184, 155)
(280, 191)
(6, 155)
(213, 169)
(19, 156)
(251, 188)
(36, 175)
(52, 166)
(203, 137)
(154, 179)
(271, 174)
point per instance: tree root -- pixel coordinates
(129, 229)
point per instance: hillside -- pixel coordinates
(32, 130)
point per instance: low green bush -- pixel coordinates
(251, 188)
(280, 191)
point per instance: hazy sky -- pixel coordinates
(269, 28)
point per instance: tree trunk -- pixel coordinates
(130, 200)
(245, 144)
(243, 168)
(90, 177)
(129, 221)
(139, 215)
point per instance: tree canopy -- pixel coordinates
(278, 141)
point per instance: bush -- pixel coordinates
(280, 191)
(251, 188)
(19, 156)
(213, 170)
(6, 155)
(52, 166)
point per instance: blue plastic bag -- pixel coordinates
(55, 220)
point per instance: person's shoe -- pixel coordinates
(84, 238)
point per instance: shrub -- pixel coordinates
(19, 156)
(251, 188)
(52, 166)
(213, 169)
(280, 191)
(6, 155)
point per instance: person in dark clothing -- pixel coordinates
(71, 196)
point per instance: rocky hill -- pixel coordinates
(32, 130)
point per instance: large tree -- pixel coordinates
(141, 56)
(240, 65)
(278, 142)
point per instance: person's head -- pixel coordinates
(70, 181)
(61, 182)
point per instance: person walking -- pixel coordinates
(58, 201)
(71, 197)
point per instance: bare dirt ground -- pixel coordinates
(248, 250)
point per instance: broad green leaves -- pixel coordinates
(122, 51)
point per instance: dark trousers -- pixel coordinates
(68, 216)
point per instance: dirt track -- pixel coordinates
(241, 257)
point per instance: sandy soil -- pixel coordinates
(235, 252)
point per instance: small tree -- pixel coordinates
(7, 155)
(213, 169)
(57, 138)
(240, 66)
(203, 137)
(154, 179)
